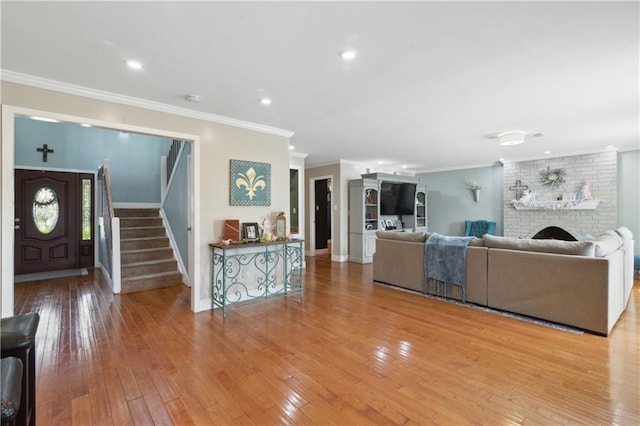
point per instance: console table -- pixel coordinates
(250, 271)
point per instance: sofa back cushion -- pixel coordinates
(416, 237)
(607, 243)
(577, 248)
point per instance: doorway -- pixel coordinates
(7, 210)
(53, 221)
(322, 210)
(294, 201)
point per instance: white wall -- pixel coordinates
(214, 145)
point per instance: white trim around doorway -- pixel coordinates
(7, 213)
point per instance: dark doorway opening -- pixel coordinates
(322, 213)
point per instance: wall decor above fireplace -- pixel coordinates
(553, 177)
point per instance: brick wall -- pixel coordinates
(600, 170)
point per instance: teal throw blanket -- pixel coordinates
(445, 264)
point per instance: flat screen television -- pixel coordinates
(397, 198)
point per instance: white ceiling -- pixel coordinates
(430, 82)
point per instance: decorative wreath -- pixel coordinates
(552, 177)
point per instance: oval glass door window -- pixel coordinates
(46, 209)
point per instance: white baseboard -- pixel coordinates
(106, 276)
(339, 258)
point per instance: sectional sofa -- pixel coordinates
(584, 284)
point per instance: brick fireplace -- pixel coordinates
(599, 170)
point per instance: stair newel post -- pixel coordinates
(115, 255)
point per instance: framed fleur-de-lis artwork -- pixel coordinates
(250, 183)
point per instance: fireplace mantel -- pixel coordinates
(556, 205)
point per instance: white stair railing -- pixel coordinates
(109, 230)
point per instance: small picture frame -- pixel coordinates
(383, 224)
(250, 231)
(389, 224)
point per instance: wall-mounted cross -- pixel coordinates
(519, 188)
(45, 150)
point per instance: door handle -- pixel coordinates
(189, 228)
(16, 227)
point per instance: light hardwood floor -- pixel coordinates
(351, 352)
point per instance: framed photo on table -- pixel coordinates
(250, 231)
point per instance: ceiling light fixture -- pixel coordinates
(265, 101)
(348, 55)
(511, 138)
(547, 152)
(133, 64)
(291, 147)
(194, 99)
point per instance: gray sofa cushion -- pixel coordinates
(625, 234)
(416, 237)
(607, 243)
(577, 248)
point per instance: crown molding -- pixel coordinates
(72, 89)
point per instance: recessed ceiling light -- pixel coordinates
(265, 101)
(404, 167)
(610, 146)
(47, 119)
(348, 55)
(291, 147)
(379, 162)
(547, 152)
(133, 64)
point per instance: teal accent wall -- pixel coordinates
(629, 193)
(176, 205)
(450, 203)
(134, 159)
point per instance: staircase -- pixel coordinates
(146, 257)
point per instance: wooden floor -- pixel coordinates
(350, 353)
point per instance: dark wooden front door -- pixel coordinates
(48, 227)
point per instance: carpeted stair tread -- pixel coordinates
(131, 213)
(146, 250)
(146, 254)
(149, 262)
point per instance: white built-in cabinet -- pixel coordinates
(365, 218)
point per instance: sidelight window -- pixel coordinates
(86, 209)
(46, 209)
